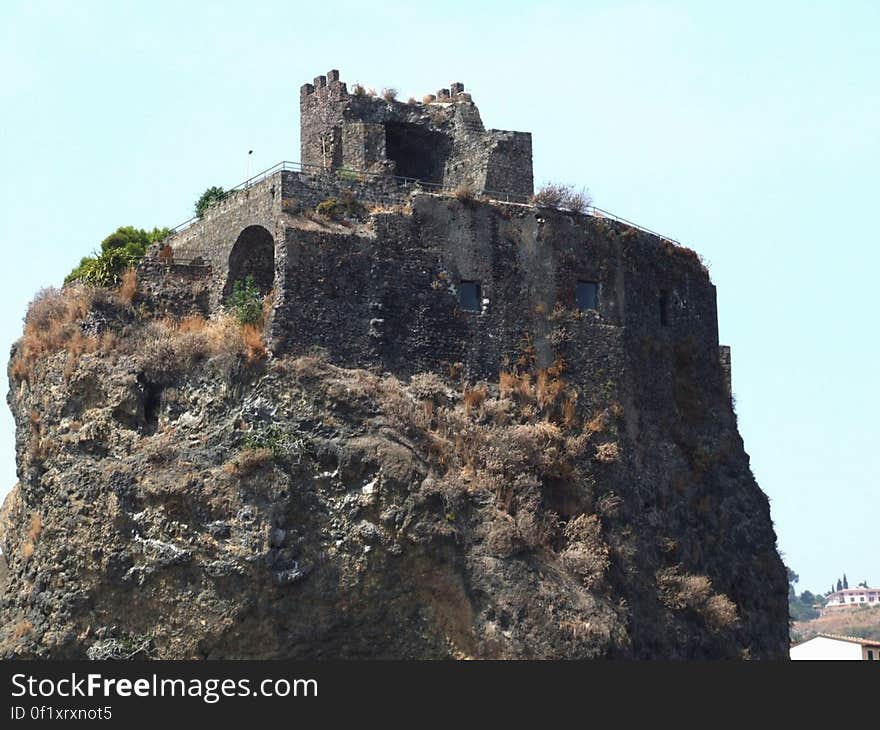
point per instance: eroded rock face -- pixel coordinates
(223, 505)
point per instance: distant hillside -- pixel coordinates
(862, 622)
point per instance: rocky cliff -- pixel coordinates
(184, 493)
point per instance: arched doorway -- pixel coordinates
(252, 255)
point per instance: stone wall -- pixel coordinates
(385, 293)
(392, 295)
(443, 142)
(211, 239)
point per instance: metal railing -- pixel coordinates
(195, 263)
(405, 186)
(600, 213)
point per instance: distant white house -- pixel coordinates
(852, 597)
(831, 646)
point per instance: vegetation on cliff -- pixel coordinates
(121, 250)
(214, 195)
(197, 497)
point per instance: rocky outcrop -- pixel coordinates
(182, 493)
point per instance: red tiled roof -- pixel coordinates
(852, 639)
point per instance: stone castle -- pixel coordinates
(424, 278)
(480, 427)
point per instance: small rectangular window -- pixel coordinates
(587, 295)
(664, 307)
(870, 655)
(469, 296)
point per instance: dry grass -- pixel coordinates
(465, 193)
(861, 621)
(268, 304)
(52, 324)
(313, 366)
(608, 505)
(586, 554)
(429, 386)
(506, 447)
(428, 98)
(607, 453)
(555, 195)
(22, 629)
(166, 255)
(403, 208)
(596, 424)
(508, 384)
(474, 397)
(682, 591)
(169, 346)
(18, 369)
(128, 286)
(389, 94)
(545, 395)
(547, 388)
(254, 346)
(35, 527)
(569, 410)
(677, 250)
(247, 461)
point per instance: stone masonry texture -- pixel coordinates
(136, 524)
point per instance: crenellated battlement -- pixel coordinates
(332, 82)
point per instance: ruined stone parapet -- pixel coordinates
(441, 143)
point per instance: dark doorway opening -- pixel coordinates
(252, 255)
(417, 152)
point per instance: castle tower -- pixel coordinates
(439, 142)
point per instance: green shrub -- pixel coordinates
(211, 197)
(246, 303)
(338, 210)
(348, 175)
(282, 443)
(122, 248)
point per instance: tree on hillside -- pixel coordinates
(839, 585)
(845, 582)
(211, 197)
(121, 249)
(800, 608)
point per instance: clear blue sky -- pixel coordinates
(748, 130)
